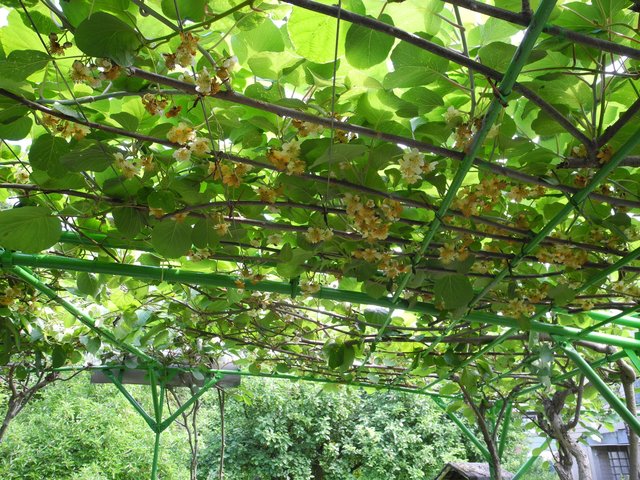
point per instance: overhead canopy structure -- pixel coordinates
(424, 196)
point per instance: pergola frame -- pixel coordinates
(564, 338)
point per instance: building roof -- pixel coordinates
(469, 471)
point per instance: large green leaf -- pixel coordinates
(45, 154)
(414, 66)
(205, 234)
(16, 130)
(103, 35)
(129, 221)
(20, 64)
(365, 47)
(187, 9)
(171, 239)
(88, 157)
(29, 229)
(314, 35)
(454, 291)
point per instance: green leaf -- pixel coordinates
(45, 154)
(414, 67)
(204, 233)
(561, 294)
(129, 221)
(58, 356)
(88, 284)
(341, 152)
(103, 35)
(171, 239)
(291, 261)
(16, 130)
(497, 55)
(187, 9)
(314, 35)
(20, 64)
(29, 229)
(88, 157)
(455, 291)
(365, 47)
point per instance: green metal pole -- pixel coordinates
(464, 429)
(611, 398)
(505, 429)
(496, 106)
(79, 314)
(156, 456)
(158, 400)
(206, 387)
(529, 463)
(147, 418)
(171, 275)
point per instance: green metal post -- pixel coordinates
(531, 460)
(464, 429)
(611, 398)
(505, 428)
(633, 357)
(79, 314)
(158, 401)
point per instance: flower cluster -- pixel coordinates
(371, 222)
(54, 45)
(519, 308)
(227, 65)
(198, 146)
(181, 134)
(480, 197)
(412, 166)
(268, 194)
(185, 54)
(287, 158)
(231, 175)
(627, 288)
(450, 252)
(94, 73)
(205, 84)
(64, 128)
(154, 104)
(307, 128)
(391, 267)
(563, 255)
(129, 168)
(317, 235)
(521, 192)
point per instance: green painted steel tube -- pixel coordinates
(504, 431)
(147, 418)
(464, 429)
(496, 106)
(105, 240)
(205, 388)
(633, 357)
(612, 399)
(575, 200)
(171, 275)
(560, 378)
(156, 456)
(526, 466)
(80, 315)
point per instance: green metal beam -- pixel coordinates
(496, 106)
(171, 275)
(532, 459)
(205, 388)
(577, 199)
(85, 319)
(147, 418)
(464, 429)
(612, 399)
(504, 432)
(565, 376)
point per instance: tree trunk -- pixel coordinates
(628, 378)
(317, 472)
(12, 411)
